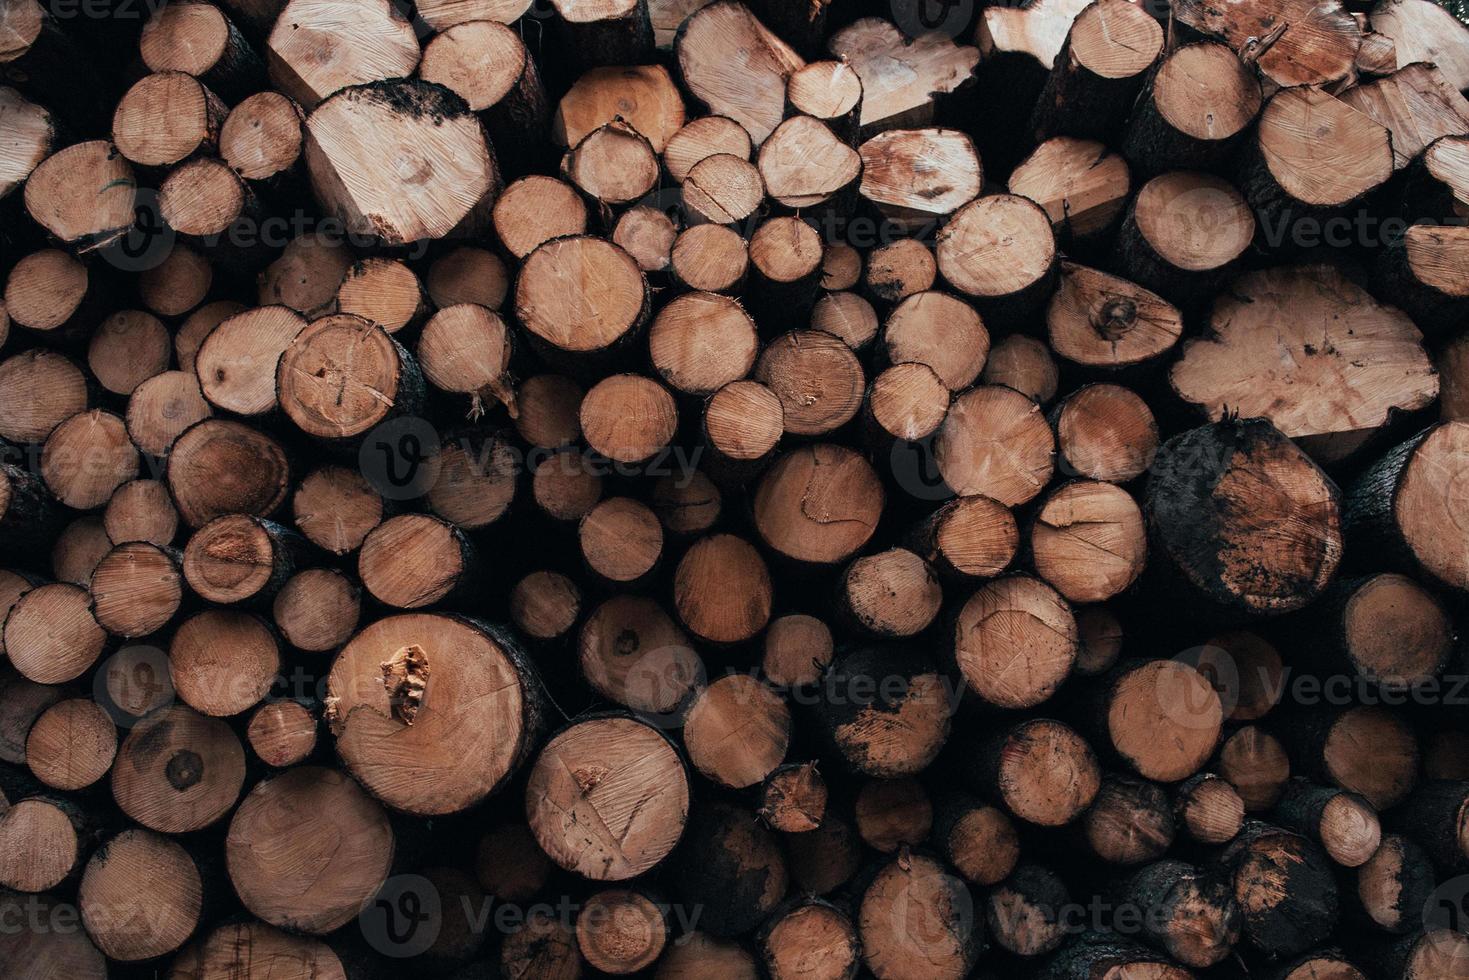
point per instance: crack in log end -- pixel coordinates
(405, 676)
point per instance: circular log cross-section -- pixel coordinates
(818, 504)
(136, 589)
(399, 160)
(620, 931)
(219, 466)
(431, 712)
(917, 920)
(737, 730)
(1089, 540)
(1000, 250)
(1257, 530)
(178, 771)
(580, 295)
(1195, 108)
(1015, 641)
(1183, 233)
(995, 442)
(140, 896)
(223, 662)
(608, 798)
(71, 745)
(1163, 718)
(722, 590)
(307, 849)
(342, 375)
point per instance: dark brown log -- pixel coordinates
(1024, 364)
(885, 713)
(1436, 817)
(893, 814)
(468, 275)
(1395, 883)
(687, 504)
(1130, 821)
(1366, 749)
(545, 605)
(79, 547)
(1284, 888)
(1023, 912)
(338, 832)
(793, 798)
(1344, 824)
(785, 271)
(509, 864)
(223, 662)
(1188, 913)
(1091, 952)
(629, 789)
(307, 275)
(476, 480)
(1325, 54)
(543, 945)
(1224, 561)
(1256, 765)
(1040, 771)
(69, 953)
(141, 896)
(177, 284)
(1100, 634)
(566, 485)
(178, 771)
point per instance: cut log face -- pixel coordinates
(140, 896)
(702, 138)
(1281, 337)
(236, 363)
(1080, 184)
(1281, 541)
(917, 886)
(900, 76)
(737, 731)
(614, 164)
(166, 117)
(608, 798)
(342, 375)
(919, 176)
(1104, 321)
(1015, 641)
(320, 46)
(609, 298)
(1106, 432)
(34, 138)
(701, 341)
(995, 442)
(84, 195)
(1194, 222)
(1416, 104)
(463, 711)
(51, 634)
(643, 96)
(1201, 98)
(1422, 31)
(1037, 31)
(1320, 151)
(790, 522)
(335, 858)
(723, 189)
(262, 136)
(803, 164)
(736, 66)
(1323, 49)
(634, 654)
(817, 378)
(1089, 541)
(999, 248)
(178, 771)
(400, 161)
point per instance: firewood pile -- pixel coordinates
(795, 489)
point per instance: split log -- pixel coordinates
(318, 47)
(1324, 54)
(918, 177)
(1082, 186)
(901, 77)
(752, 90)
